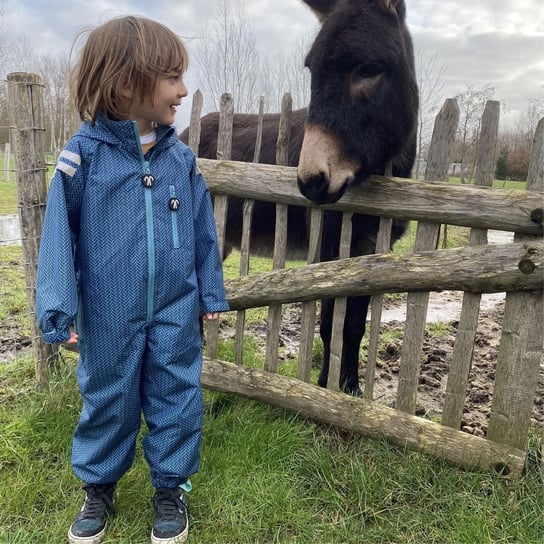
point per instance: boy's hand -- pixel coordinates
(211, 316)
(73, 338)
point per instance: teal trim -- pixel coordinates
(150, 247)
(174, 214)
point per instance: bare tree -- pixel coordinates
(471, 107)
(228, 60)
(58, 107)
(430, 78)
(516, 144)
(22, 57)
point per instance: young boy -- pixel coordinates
(129, 256)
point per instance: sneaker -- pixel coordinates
(171, 525)
(90, 524)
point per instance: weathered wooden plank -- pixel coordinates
(461, 361)
(224, 147)
(339, 312)
(280, 237)
(26, 116)
(487, 269)
(363, 417)
(309, 308)
(426, 238)
(247, 212)
(383, 243)
(194, 123)
(259, 138)
(434, 202)
(520, 350)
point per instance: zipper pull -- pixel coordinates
(148, 179)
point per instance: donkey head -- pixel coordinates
(364, 98)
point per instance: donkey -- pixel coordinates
(361, 117)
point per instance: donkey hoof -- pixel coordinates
(354, 391)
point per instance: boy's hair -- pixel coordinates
(125, 53)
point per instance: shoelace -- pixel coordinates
(96, 503)
(169, 505)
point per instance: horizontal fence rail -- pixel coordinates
(434, 202)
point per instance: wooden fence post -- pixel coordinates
(26, 116)
(427, 237)
(520, 350)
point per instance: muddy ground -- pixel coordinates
(444, 307)
(437, 351)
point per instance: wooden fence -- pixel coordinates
(515, 268)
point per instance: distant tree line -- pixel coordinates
(227, 59)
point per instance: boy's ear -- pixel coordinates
(127, 93)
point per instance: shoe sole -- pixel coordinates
(95, 539)
(178, 539)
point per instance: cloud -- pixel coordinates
(478, 41)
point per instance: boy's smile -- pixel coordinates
(161, 109)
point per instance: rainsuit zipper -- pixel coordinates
(150, 233)
(150, 247)
(175, 236)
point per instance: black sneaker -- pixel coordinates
(171, 525)
(90, 524)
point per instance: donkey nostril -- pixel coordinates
(315, 187)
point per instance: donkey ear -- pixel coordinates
(321, 8)
(396, 7)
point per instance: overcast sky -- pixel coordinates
(479, 42)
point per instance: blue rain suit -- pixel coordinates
(129, 255)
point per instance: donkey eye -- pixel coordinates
(363, 81)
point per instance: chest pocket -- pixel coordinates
(174, 205)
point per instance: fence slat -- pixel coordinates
(194, 123)
(383, 244)
(520, 350)
(244, 271)
(309, 308)
(461, 360)
(280, 237)
(224, 147)
(426, 238)
(339, 312)
(245, 244)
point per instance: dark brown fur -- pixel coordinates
(356, 37)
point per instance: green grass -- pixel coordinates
(13, 297)
(267, 476)
(497, 183)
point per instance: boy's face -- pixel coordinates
(162, 108)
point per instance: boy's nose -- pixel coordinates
(182, 91)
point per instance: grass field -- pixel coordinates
(267, 476)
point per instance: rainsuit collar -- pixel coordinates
(125, 133)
